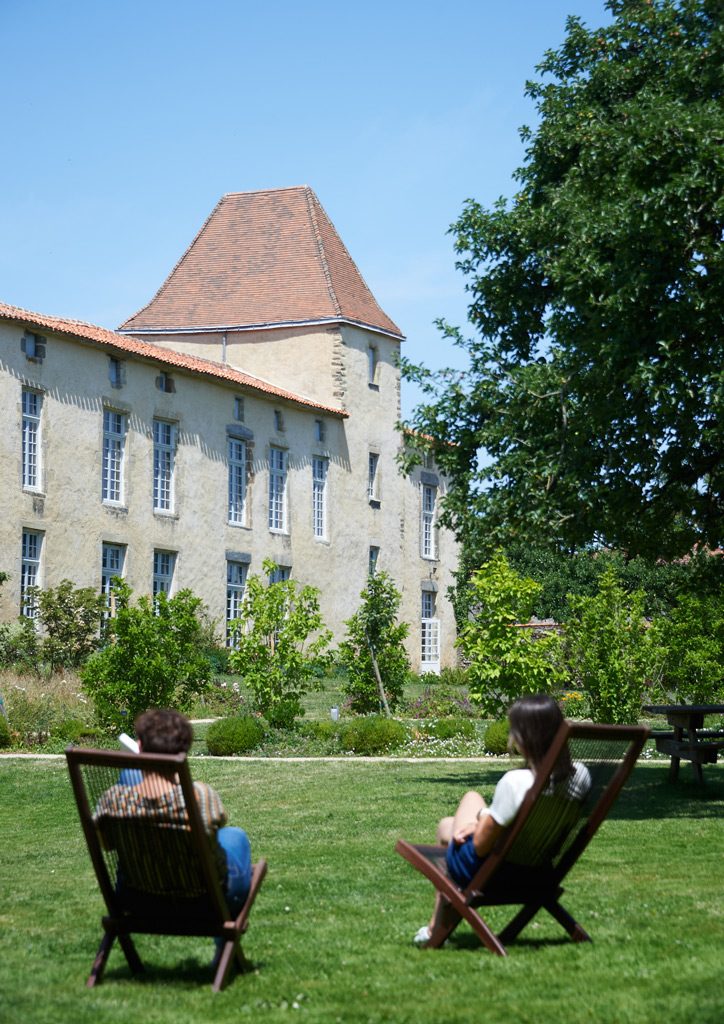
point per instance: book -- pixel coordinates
(126, 741)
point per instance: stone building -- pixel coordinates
(247, 412)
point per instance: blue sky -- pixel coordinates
(124, 122)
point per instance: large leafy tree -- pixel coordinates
(595, 391)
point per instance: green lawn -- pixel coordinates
(332, 926)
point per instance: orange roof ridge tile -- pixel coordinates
(263, 259)
(122, 343)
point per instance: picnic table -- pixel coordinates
(689, 740)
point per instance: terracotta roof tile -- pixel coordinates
(124, 345)
(263, 259)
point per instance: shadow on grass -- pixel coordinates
(191, 973)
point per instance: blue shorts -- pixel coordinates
(462, 861)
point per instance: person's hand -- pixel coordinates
(463, 833)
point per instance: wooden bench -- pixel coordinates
(688, 741)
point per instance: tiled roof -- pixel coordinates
(124, 345)
(263, 259)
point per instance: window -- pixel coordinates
(165, 383)
(319, 496)
(164, 457)
(32, 406)
(164, 563)
(428, 546)
(235, 584)
(373, 477)
(277, 489)
(114, 443)
(115, 372)
(280, 573)
(320, 432)
(239, 409)
(278, 421)
(33, 345)
(112, 560)
(374, 556)
(372, 363)
(237, 482)
(32, 546)
(429, 634)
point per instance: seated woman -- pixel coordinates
(472, 832)
(155, 797)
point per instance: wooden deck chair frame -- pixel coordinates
(535, 889)
(122, 921)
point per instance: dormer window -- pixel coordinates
(165, 383)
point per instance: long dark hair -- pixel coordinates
(534, 722)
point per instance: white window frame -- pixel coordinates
(32, 408)
(164, 567)
(320, 471)
(428, 535)
(164, 465)
(373, 477)
(114, 452)
(113, 560)
(236, 510)
(429, 634)
(31, 554)
(277, 511)
(236, 573)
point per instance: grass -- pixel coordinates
(331, 929)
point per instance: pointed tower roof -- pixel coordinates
(263, 259)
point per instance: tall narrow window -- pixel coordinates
(280, 573)
(30, 571)
(32, 405)
(237, 482)
(373, 483)
(319, 496)
(164, 457)
(277, 489)
(112, 559)
(373, 559)
(163, 566)
(428, 546)
(235, 584)
(372, 360)
(429, 634)
(114, 444)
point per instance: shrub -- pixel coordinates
(71, 618)
(274, 652)
(496, 737)
(573, 704)
(373, 651)
(441, 702)
(155, 657)
(447, 728)
(457, 676)
(324, 730)
(74, 730)
(19, 644)
(373, 735)
(612, 655)
(4, 732)
(230, 736)
(693, 639)
(506, 663)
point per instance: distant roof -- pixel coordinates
(124, 345)
(263, 259)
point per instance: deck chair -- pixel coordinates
(159, 879)
(554, 825)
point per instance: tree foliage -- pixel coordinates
(375, 636)
(506, 662)
(155, 657)
(597, 292)
(280, 644)
(71, 619)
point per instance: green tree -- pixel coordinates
(280, 644)
(373, 651)
(155, 657)
(71, 619)
(597, 292)
(692, 637)
(612, 654)
(505, 662)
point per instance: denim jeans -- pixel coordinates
(235, 844)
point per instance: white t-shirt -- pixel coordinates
(511, 789)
